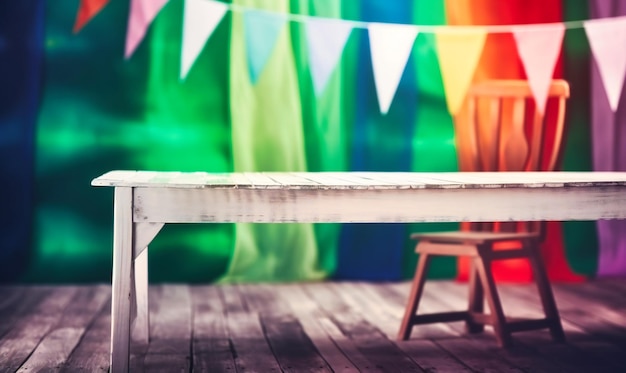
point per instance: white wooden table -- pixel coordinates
(145, 201)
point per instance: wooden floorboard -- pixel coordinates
(308, 327)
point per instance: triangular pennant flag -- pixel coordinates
(86, 11)
(458, 51)
(538, 48)
(261, 30)
(607, 39)
(326, 39)
(142, 13)
(201, 17)
(391, 46)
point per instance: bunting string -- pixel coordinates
(424, 29)
(458, 48)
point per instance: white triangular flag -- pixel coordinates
(261, 31)
(607, 39)
(390, 46)
(326, 39)
(539, 47)
(200, 19)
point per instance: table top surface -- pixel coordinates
(358, 180)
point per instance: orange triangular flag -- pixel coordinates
(86, 11)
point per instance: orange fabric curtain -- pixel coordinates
(500, 61)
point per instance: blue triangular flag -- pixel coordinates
(326, 39)
(261, 32)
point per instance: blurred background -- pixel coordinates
(72, 107)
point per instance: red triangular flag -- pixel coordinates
(86, 11)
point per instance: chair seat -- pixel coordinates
(490, 245)
(474, 238)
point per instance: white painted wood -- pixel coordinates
(140, 320)
(239, 178)
(144, 234)
(122, 279)
(292, 180)
(349, 180)
(379, 205)
(173, 179)
(327, 179)
(260, 180)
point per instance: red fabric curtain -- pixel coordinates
(500, 61)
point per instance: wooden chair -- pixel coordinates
(495, 133)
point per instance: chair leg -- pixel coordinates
(483, 266)
(414, 297)
(476, 301)
(546, 295)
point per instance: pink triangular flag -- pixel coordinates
(142, 13)
(201, 17)
(607, 39)
(391, 46)
(326, 39)
(539, 47)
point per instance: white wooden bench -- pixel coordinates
(145, 201)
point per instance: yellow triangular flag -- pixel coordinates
(459, 50)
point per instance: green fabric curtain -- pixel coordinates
(101, 112)
(267, 135)
(189, 129)
(581, 239)
(325, 118)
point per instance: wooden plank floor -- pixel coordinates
(313, 327)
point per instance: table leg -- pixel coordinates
(122, 279)
(140, 328)
(144, 233)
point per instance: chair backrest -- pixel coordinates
(500, 129)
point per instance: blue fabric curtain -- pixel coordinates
(380, 143)
(21, 56)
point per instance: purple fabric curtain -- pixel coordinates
(609, 151)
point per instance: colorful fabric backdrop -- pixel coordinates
(72, 107)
